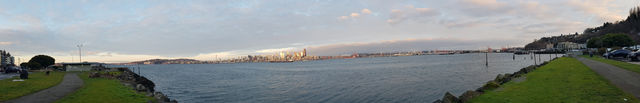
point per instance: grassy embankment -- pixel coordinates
(104, 90)
(620, 64)
(37, 81)
(562, 80)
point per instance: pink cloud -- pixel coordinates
(6, 43)
(365, 11)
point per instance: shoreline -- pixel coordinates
(142, 84)
(137, 82)
(490, 85)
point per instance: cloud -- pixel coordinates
(536, 10)
(238, 53)
(540, 11)
(548, 27)
(492, 4)
(411, 13)
(353, 15)
(509, 15)
(203, 29)
(114, 57)
(599, 8)
(6, 43)
(365, 11)
(343, 17)
(107, 57)
(485, 7)
(518, 8)
(110, 57)
(396, 16)
(462, 23)
(414, 44)
(29, 34)
(218, 55)
(275, 50)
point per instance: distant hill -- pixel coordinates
(629, 26)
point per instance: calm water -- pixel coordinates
(383, 79)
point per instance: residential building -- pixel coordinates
(570, 46)
(6, 58)
(550, 46)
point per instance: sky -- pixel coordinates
(131, 30)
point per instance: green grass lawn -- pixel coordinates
(623, 65)
(37, 81)
(102, 90)
(562, 80)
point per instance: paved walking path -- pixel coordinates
(69, 84)
(6, 76)
(626, 80)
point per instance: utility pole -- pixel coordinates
(80, 51)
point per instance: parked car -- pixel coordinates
(11, 69)
(634, 56)
(617, 53)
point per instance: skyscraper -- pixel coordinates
(304, 52)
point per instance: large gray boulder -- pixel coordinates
(160, 97)
(140, 87)
(467, 96)
(499, 78)
(489, 86)
(449, 98)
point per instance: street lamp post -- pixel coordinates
(80, 51)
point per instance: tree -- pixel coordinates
(610, 40)
(594, 42)
(34, 65)
(24, 64)
(616, 40)
(42, 60)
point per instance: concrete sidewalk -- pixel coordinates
(7, 76)
(626, 80)
(70, 83)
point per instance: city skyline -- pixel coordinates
(119, 31)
